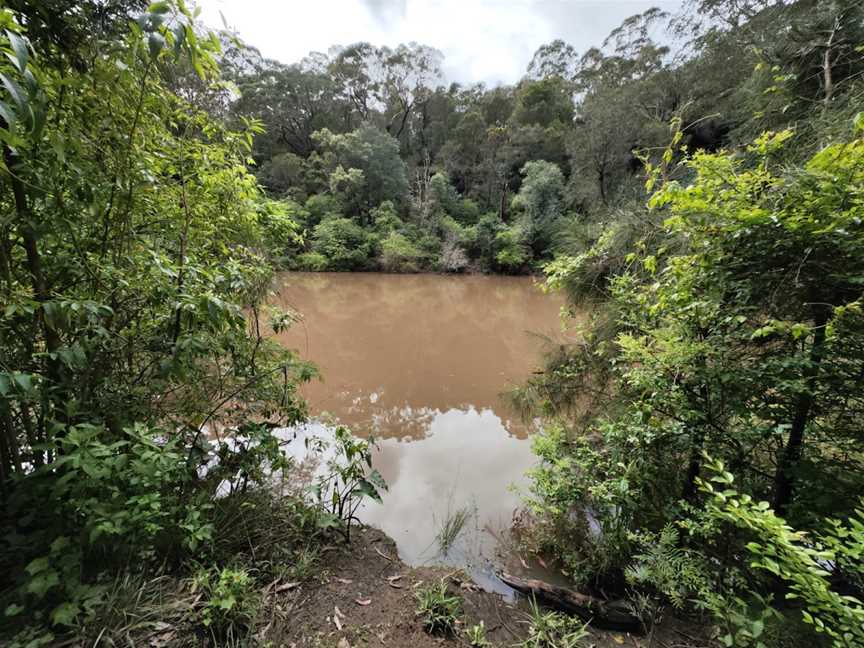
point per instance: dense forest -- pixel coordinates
(694, 183)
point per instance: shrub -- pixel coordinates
(313, 261)
(553, 630)
(230, 600)
(279, 221)
(385, 218)
(399, 254)
(344, 244)
(511, 255)
(438, 609)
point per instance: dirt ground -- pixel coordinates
(365, 597)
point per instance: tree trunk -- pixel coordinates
(612, 615)
(694, 466)
(784, 479)
(827, 74)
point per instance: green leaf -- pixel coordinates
(13, 609)
(8, 114)
(37, 565)
(15, 92)
(155, 42)
(368, 489)
(65, 613)
(19, 46)
(42, 582)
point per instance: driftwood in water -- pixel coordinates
(611, 615)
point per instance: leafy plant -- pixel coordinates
(476, 635)
(548, 629)
(438, 610)
(805, 564)
(350, 479)
(230, 600)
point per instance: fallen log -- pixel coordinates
(610, 615)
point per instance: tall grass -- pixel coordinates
(453, 525)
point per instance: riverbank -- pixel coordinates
(363, 595)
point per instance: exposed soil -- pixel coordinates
(365, 597)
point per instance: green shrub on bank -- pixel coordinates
(344, 244)
(399, 254)
(705, 346)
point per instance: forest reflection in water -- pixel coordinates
(420, 362)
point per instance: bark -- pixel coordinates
(601, 181)
(784, 478)
(612, 615)
(31, 247)
(827, 73)
(694, 467)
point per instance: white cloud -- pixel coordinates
(482, 40)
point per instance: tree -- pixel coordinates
(133, 246)
(555, 59)
(379, 173)
(344, 244)
(292, 103)
(541, 197)
(543, 103)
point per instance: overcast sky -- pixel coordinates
(482, 40)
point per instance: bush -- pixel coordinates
(280, 225)
(438, 609)
(399, 254)
(230, 601)
(312, 261)
(511, 255)
(553, 630)
(344, 244)
(321, 207)
(385, 218)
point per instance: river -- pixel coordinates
(420, 362)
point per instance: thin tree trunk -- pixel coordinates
(31, 247)
(601, 180)
(827, 75)
(784, 478)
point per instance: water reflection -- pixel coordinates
(420, 361)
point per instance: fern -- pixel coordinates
(680, 574)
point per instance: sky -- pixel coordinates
(482, 40)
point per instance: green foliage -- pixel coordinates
(476, 635)
(349, 479)
(344, 243)
(229, 600)
(733, 328)
(544, 102)
(314, 261)
(547, 629)
(541, 198)
(583, 520)
(133, 245)
(805, 564)
(365, 167)
(510, 252)
(386, 218)
(280, 224)
(399, 254)
(450, 529)
(438, 610)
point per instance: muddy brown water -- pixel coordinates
(421, 362)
